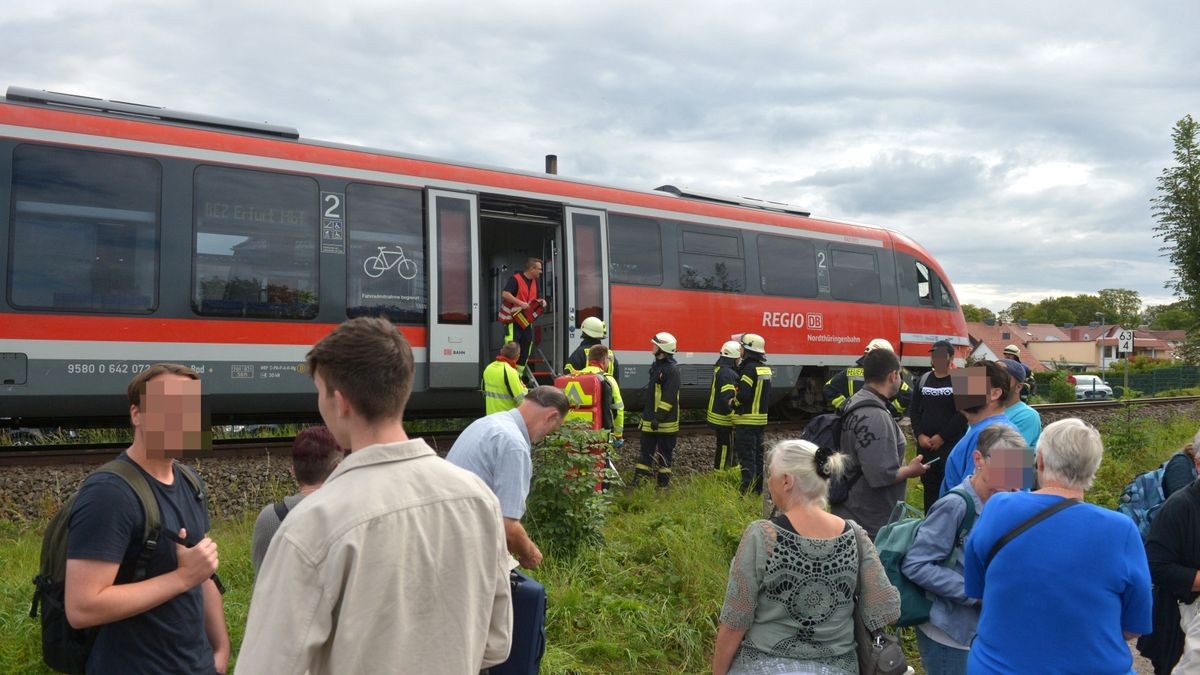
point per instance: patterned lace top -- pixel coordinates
(794, 597)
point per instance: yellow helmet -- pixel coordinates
(731, 349)
(754, 343)
(665, 342)
(593, 326)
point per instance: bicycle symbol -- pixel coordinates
(376, 265)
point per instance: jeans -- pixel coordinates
(939, 659)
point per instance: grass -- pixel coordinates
(644, 602)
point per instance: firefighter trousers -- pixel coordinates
(657, 449)
(724, 456)
(748, 442)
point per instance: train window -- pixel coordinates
(589, 270)
(924, 286)
(711, 261)
(788, 266)
(947, 300)
(84, 231)
(386, 273)
(454, 260)
(256, 244)
(634, 250)
(855, 276)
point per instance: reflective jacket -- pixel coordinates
(722, 393)
(527, 291)
(579, 358)
(753, 392)
(662, 403)
(843, 385)
(614, 406)
(502, 386)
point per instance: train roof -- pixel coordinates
(279, 133)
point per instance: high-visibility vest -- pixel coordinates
(502, 386)
(618, 405)
(527, 291)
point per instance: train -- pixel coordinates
(132, 234)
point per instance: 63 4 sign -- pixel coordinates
(1125, 342)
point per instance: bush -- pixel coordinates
(564, 512)
(1061, 391)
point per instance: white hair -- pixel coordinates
(797, 458)
(1071, 451)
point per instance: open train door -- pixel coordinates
(587, 271)
(453, 234)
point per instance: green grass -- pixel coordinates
(644, 602)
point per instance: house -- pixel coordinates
(988, 341)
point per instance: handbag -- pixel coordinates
(879, 652)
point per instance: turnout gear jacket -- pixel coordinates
(614, 406)
(502, 386)
(661, 412)
(579, 358)
(722, 393)
(753, 392)
(843, 385)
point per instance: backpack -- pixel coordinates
(825, 431)
(65, 648)
(1143, 497)
(893, 542)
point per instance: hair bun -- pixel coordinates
(821, 460)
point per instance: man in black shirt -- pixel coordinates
(936, 423)
(1173, 551)
(173, 620)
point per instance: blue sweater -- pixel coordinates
(1056, 598)
(961, 462)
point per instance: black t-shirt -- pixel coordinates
(933, 413)
(106, 524)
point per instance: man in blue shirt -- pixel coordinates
(1025, 419)
(496, 448)
(979, 394)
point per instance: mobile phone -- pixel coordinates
(932, 462)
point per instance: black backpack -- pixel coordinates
(825, 431)
(64, 648)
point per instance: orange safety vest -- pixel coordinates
(527, 291)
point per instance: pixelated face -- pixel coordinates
(940, 359)
(170, 417)
(1009, 469)
(970, 388)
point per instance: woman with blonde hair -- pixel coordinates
(789, 605)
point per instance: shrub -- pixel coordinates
(564, 511)
(1061, 391)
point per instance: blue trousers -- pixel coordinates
(939, 659)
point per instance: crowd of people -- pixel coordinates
(388, 555)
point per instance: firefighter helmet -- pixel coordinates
(754, 343)
(593, 326)
(1012, 350)
(665, 342)
(878, 343)
(731, 349)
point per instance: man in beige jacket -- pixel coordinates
(398, 563)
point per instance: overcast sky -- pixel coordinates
(1018, 142)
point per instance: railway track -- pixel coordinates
(46, 455)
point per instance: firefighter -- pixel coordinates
(660, 415)
(502, 386)
(720, 402)
(842, 385)
(750, 410)
(594, 331)
(614, 407)
(520, 294)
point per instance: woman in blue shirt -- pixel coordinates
(1064, 595)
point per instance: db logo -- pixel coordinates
(816, 322)
(447, 352)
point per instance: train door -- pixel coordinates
(454, 316)
(587, 271)
(513, 230)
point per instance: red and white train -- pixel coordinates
(131, 235)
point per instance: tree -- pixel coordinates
(1016, 311)
(975, 314)
(1121, 305)
(1174, 316)
(1177, 210)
